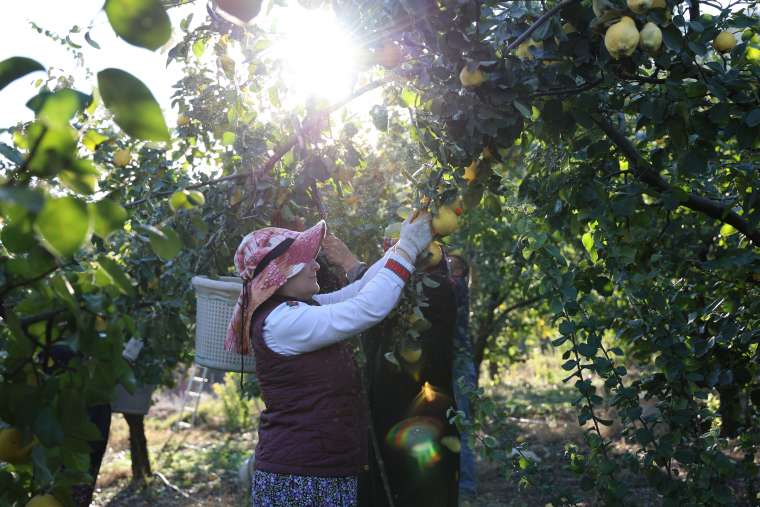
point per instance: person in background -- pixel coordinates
(312, 435)
(463, 371)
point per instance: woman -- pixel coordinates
(312, 435)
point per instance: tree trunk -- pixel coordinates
(138, 447)
(730, 410)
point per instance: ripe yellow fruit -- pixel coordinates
(471, 78)
(44, 501)
(471, 171)
(12, 448)
(724, 42)
(452, 443)
(244, 10)
(523, 50)
(639, 6)
(650, 38)
(622, 38)
(410, 351)
(445, 221)
(122, 157)
(182, 120)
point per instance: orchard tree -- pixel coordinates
(617, 147)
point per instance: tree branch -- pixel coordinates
(496, 323)
(13, 286)
(646, 173)
(567, 91)
(540, 21)
(281, 150)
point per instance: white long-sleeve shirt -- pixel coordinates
(294, 328)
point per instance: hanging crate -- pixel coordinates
(215, 302)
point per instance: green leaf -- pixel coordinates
(64, 225)
(142, 23)
(753, 118)
(199, 46)
(524, 110)
(165, 242)
(133, 105)
(92, 139)
(16, 67)
(116, 273)
(107, 216)
(228, 139)
(47, 428)
(18, 236)
(85, 184)
(727, 230)
(57, 109)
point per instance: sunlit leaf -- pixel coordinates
(142, 23)
(16, 67)
(133, 105)
(64, 225)
(85, 184)
(54, 149)
(107, 216)
(92, 139)
(165, 242)
(116, 273)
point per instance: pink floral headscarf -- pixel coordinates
(254, 247)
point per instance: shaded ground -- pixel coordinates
(199, 466)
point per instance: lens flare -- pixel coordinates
(418, 437)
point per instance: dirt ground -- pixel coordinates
(199, 466)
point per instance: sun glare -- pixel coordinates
(318, 55)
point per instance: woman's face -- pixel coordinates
(303, 285)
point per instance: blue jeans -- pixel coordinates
(465, 369)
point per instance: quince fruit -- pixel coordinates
(622, 38)
(44, 501)
(410, 351)
(650, 38)
(12, 448)
(523, 50)
(724, 42)
(122, 157)
(471, 78)
(445, 221)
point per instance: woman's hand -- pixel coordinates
(337, 253)
(416, 234)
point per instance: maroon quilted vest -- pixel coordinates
(314, 422)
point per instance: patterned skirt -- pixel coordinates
(279, 490)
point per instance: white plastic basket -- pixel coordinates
(215, 302)
(137, 403)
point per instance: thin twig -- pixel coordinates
(170, 485)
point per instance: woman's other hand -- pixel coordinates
(416, 234)
(337, 253)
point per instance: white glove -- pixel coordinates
(415, 236)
